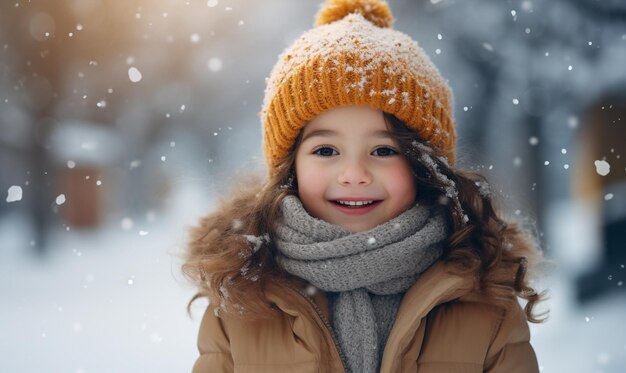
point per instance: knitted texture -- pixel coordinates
(349, 59)
(366, 273)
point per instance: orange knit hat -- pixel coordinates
(354, 57)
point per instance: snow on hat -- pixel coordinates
(353, 56)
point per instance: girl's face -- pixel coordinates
(347, 154)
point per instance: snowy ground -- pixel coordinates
(113, 300)
(589, 339)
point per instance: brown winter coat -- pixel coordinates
(440, 327)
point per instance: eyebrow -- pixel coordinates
(330, 133)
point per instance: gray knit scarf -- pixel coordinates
(365, 274)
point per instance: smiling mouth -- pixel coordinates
(356, 205)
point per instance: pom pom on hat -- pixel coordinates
(377, 12)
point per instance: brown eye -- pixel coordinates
(386, 152)
(324, 151)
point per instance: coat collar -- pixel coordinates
(435, 286)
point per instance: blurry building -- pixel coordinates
(547, 112)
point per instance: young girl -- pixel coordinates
(365, 249)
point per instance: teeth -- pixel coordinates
(355, 203)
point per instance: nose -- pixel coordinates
(354, 172)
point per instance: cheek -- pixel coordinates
(400, 184)
(311, 180)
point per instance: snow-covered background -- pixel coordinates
(113, 300)
(122, 122)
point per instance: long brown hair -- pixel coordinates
(230, 254)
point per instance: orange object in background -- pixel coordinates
(83, 197)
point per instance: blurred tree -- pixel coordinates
(29, 31)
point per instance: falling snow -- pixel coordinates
(553, 59)
(215, 64)
(602, 167)
(134, 164)
(60, 199)
(14, 194)
(127, 224)
(134, 74)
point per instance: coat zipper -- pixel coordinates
(328, 326)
